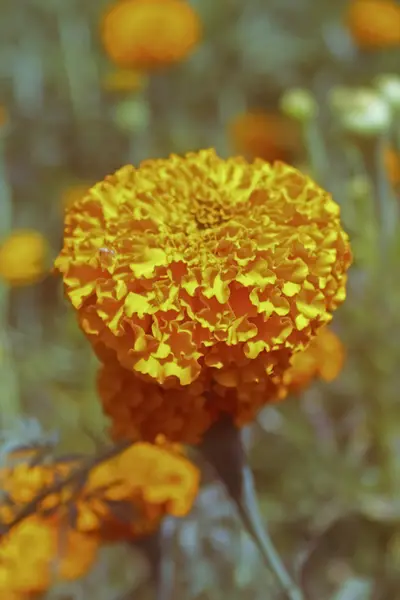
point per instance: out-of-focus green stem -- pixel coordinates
(80, 66)
(158, 549)
(316, 151)
(222, 447)
(10, 399)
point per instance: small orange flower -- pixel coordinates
(23, 257)
(145, 34)
(125, 80)
(3, 116)
(392, 163)
(200, 277)
(374, 24)
(324, 358)
(269, 136)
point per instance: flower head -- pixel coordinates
(145, 34)
(374, 24)
(360, 111)
(149, 481)
(392, 164)
(269, 136)
(22, 257)
(203, 277)
(122, 498)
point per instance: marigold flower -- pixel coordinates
(323, 357)
(33, 555)
(153, 481)
(269, 136)
(23, 257)
(4, 116)
(122, 498)
(374, 24)
(145, 34)
(392, 163)
(201, 276)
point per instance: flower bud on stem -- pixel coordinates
(364, 118)
(300, 105)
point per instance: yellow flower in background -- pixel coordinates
(270, 136)
(146, 34)
(374, 24)
(35, 554)
(203, 277)
(323, 358)
(392, 164)
(23, 256)
(125, 80)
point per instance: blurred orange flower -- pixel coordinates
(392, 163)
(374, 23)
(23, 257)
(3, 116)
(146, 481)
(34, 554)
(269, 136)
(145, 34)
(203, 277)
(324, 358)
(123, 497)
(124, 80)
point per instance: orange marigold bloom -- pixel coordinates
(202, 276)
(269, 136)
(33, 555)
(323, 357)
(3, 116)
(263, 135)
(22, 257)
(392, 163)
(152, 481)
(374, 23)
(145, 34)
(146, 482)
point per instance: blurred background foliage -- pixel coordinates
(327, 464)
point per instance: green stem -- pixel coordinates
(316, 151)
(10, 399)
(222, 447)
(385, 201)
(158, 548)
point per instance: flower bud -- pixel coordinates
(389, 87)
(360, 111)
(132, 116)
(299, 104)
